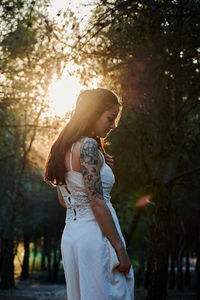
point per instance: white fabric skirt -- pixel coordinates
(90, 263)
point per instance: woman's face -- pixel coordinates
(106, 122)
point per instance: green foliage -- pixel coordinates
(145, 51)
(148, 52)
(31, 58)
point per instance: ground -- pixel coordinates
(35, 290)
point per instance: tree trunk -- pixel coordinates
(49, 272)
(7, 276)
(141, 269)
(157, 285)
(56, 262)
(180, 273)
(172, 274)
(34, 256)
(132, 226)
(1, 254)
(187, 271)
(44, 253)
(49, 268)
(198, 269)
(25, 265)
(148, 272)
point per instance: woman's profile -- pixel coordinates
(96, 264)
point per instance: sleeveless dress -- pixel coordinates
(89, 259)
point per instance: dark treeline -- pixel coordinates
(30, 57)
(148, 52)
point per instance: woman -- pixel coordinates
(96, 264)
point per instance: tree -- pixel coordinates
(149, 53)
(30, 57)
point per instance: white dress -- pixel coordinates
(89, 259)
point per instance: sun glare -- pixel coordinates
(63, 94)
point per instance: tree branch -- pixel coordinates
(183, 175)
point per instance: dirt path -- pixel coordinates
(33, 290)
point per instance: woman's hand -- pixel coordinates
(109, 160)
(124, 261)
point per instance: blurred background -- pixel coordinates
(148, 52)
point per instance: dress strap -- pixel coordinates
(70, 162)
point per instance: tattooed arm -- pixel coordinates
(90, 165)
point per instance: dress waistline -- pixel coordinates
(82, 212)
(77, 213)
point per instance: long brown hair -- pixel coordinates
(90, 105)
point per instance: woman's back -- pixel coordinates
(75, 192)
(90, 261)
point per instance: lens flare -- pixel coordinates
(144, 201)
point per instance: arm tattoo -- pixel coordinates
(90, 165)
